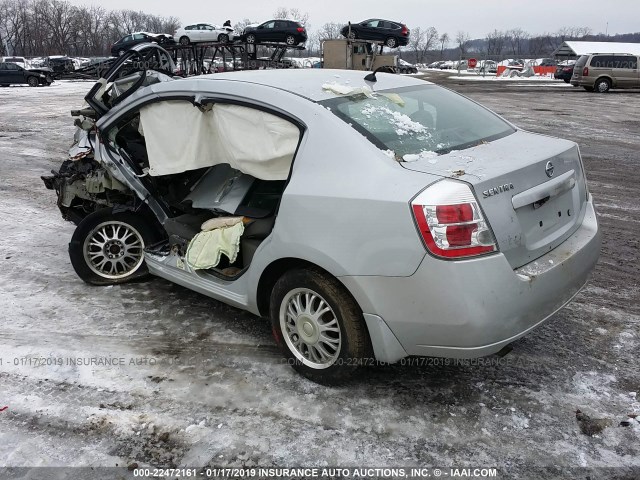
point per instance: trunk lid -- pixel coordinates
(531, 188)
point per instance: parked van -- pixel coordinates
(601, 72)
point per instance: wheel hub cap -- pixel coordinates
(114, 250)
(310, 328)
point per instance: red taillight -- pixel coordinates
(450, 221)
(405, 30)
(585, 72)
(454, 213)
(300, 29)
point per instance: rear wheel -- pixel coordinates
(290, 40)
(33, 81)
(603, 85)
(251, 39)
(223, 38)
(318, 325)
(391, 42)
(184, 40)
(107, 248)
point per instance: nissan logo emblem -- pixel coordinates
(549, 169)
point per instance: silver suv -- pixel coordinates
(601, 72)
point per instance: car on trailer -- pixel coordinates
(137, 38)
(288, 32)
(392, 34)
(371, 217)
(204, 32)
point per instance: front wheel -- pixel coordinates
(32, 81)
(184, 40)
(251, 39)
(318, 326)
(223, 38)
(108, 248)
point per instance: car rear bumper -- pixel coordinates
(472, 308)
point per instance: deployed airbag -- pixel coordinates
(181, 137)
(205, 248)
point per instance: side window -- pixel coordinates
(138, 36)
(625, 61)
(373, 23)
(602, 61)
(270, 25)
(3, 66)
(190, 27)
(12, 66)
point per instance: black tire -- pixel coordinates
(602, 85)
(184, 41)
(223, 38)
(353, 341)
(33, 81)
(120, 53)
(391, 42)
(251, 39)
(567, 80)
(588, 89)
(290, 40)
(352, 35)
(145, 233)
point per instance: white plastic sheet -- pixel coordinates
(181, 137)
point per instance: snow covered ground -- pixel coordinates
(155, 375)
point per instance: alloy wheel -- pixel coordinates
(310, 328)
(114, 250)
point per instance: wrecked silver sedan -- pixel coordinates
(370, 219)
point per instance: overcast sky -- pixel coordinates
(478, 17)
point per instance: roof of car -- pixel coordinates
(308, 82)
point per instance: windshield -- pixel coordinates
(419, 120)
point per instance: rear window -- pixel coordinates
(582, 61)
(417, 120)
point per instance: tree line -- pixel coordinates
(48, 27)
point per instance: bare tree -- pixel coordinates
(330, 31)
(463, 39)
(495, 43)
(444, 41)
(285, 13)
(517, 39)
(416, 43)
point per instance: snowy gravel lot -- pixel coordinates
(201, 383)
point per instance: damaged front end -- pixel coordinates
(82, 183)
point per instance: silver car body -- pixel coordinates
(347, 210)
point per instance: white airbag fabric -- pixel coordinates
(205, 248)
(182, 137)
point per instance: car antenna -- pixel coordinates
(372, 76)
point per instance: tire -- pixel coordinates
(352, 35)
(567, 80)
(251, 39)
(223, 38)
(588, 89)
(391, 42)
(120, 53)
(290, 40)
(185, 40)
(602, 85)
(296, 299)
(110, 230)
(33, 81)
